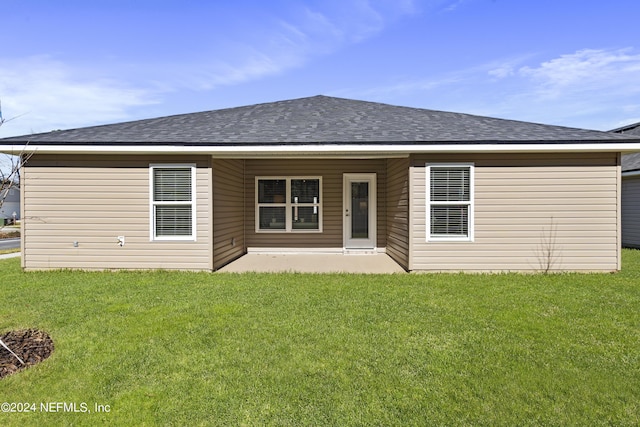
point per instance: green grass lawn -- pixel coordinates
(171, 348)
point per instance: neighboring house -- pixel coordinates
(630, 191)
(436, 191)
(10, 201)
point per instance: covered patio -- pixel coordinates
(379, 263)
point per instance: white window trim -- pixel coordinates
(288, 205)
(470, 203)
(153, 204)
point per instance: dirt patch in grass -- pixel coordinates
(30, 345)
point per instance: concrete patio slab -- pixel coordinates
(314, 263)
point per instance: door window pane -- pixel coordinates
(360, 210)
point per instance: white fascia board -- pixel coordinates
(330, 150)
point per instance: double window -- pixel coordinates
(450, 202)
(172, 202)
(289, 204)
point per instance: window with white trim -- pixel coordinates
(450, 193)
(289, 204)
(172, 202)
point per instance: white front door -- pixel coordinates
(359, 210)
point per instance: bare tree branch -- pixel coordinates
(11, 166)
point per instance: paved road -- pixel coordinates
(9, 243)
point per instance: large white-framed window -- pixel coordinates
(288, 204)
(450, 202)
(172, 201)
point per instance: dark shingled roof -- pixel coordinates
(630, 162)
(633, 129)
(317, 120)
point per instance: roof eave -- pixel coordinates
(333, 150)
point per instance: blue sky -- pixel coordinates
(66, 64)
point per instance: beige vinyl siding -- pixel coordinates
(631, 211)
(532, 212)
(229, 211)
(398, 211)
(332, 210)
(94, 199)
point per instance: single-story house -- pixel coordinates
(630, 191)
(10, 203)
(436, 191)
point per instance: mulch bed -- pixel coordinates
(31, 345)
(9, 234)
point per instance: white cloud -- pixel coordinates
(502, 72)
(592, 88)
(451, 82)
(46, 94)
(452, 6)
(50, 94)
(585, 71)
(291, 41)
(503, 68)
(596, 89)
